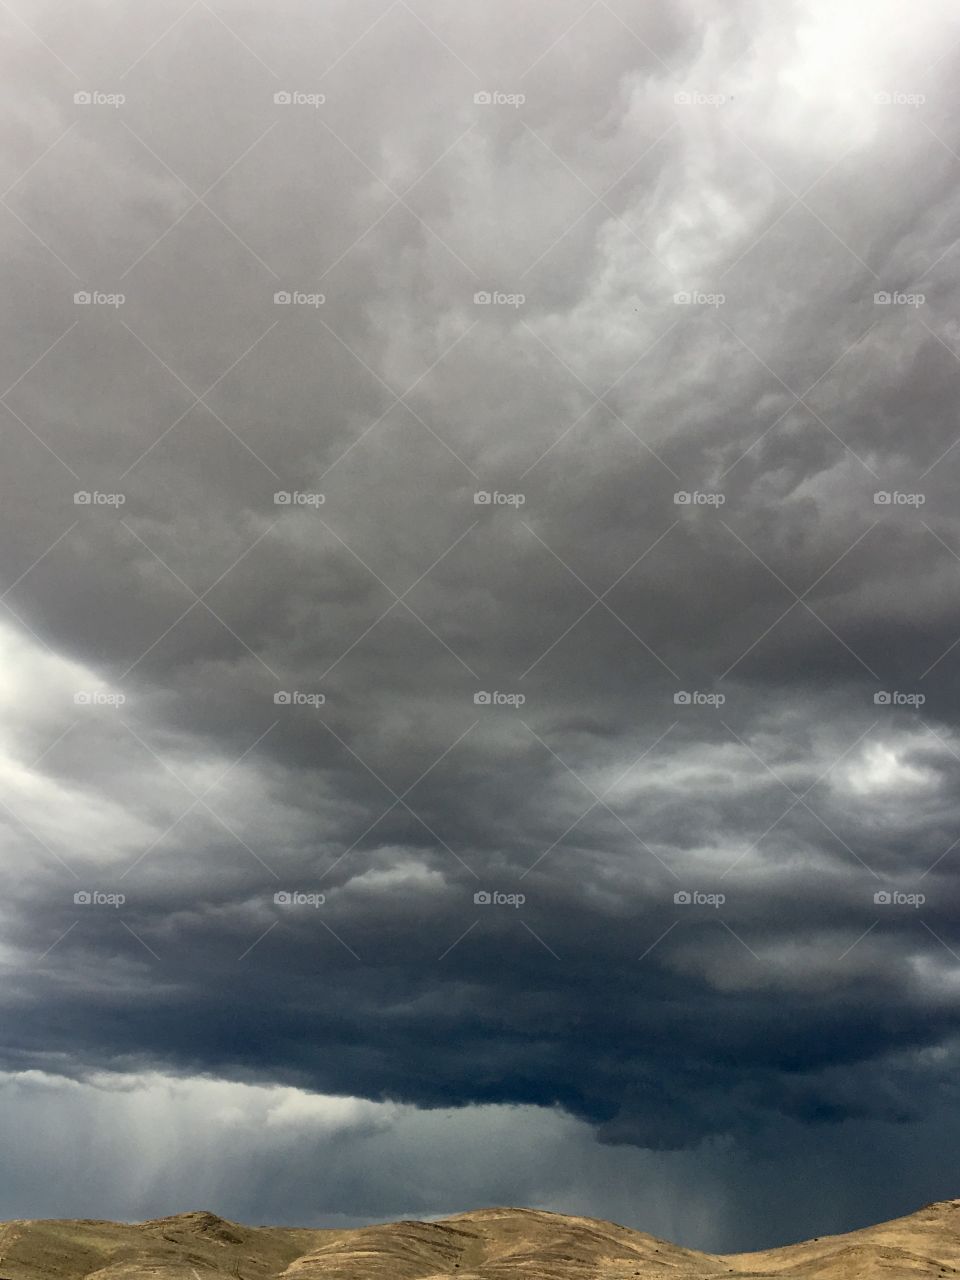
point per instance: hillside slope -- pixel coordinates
(488, 1244)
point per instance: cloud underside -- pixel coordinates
(698, 755)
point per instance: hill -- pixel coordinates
(488, 1244)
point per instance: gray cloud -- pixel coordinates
(777, 171)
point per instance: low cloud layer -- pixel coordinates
(149, 1142)
(449, 453)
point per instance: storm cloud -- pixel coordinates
(478, 574)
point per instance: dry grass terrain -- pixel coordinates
(490, 1244)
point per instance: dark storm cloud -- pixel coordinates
(743, 156)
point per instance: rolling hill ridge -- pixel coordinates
(487, 1244)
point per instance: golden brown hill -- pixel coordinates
(489, 1244)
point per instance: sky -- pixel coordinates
(479, 624)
